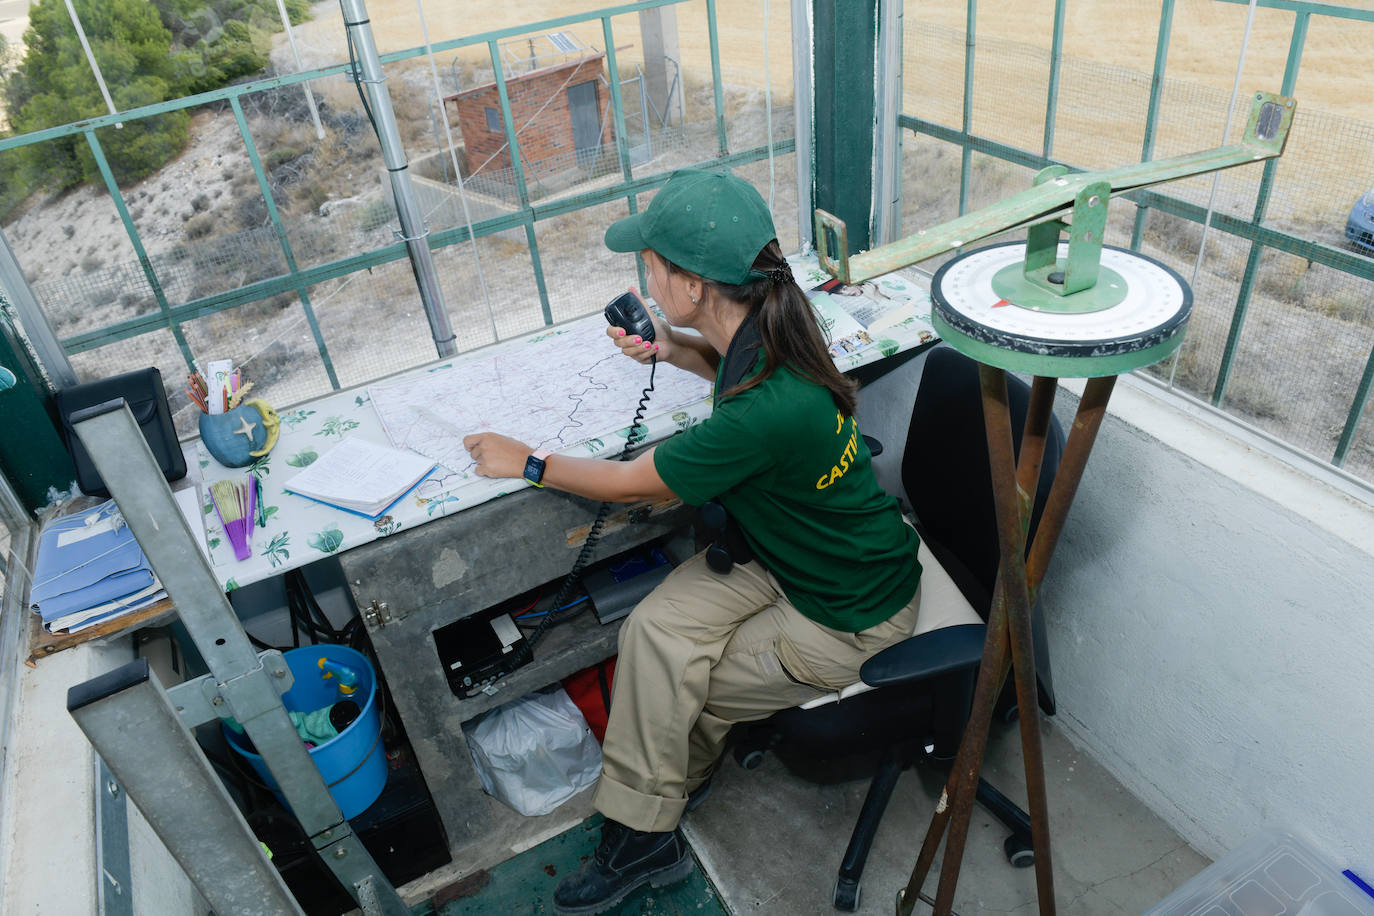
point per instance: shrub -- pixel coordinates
(200, 226)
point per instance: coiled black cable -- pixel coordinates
(632, 441)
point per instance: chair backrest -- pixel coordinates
(946, 475)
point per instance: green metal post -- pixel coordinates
(1052, 93)
(518, 171)
(301, 289)
(1252, 262)
(966, 157)
(622, 143)
(714, 36)
(1352, 420)
(1166, 24)
(137, 242)
(845, 48)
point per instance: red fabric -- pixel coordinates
(591, 694)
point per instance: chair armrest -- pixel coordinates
(936, 652)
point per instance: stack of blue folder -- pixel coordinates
(89, 569)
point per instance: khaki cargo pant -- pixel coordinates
(704, 651)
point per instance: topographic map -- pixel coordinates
(552, 391)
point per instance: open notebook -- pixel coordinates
(361, 477)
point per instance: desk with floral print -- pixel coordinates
(299, 531)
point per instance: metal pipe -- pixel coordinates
(413, 231)
(887, 137)
(295, 52)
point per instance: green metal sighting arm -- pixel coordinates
(1054, 194)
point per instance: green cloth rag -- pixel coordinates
(314, 726)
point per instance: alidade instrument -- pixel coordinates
(1051, 307)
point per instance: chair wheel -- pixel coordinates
(1020, 853)
(749, 758)
(846, 895)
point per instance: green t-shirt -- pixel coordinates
(798, 479)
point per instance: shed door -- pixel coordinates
(586, 122)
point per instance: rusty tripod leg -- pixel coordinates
(1092, 407)
(1015, 607)
(961, 788)
(996, 662)
(969, 759)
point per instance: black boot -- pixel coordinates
(625, 860)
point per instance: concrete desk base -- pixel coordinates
(411, 583)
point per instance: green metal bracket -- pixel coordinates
(1055, 194)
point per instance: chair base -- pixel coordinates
(749, 751)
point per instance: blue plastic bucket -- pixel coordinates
(353, 763)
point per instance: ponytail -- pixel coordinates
(788, 327)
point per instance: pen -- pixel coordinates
(262, 512)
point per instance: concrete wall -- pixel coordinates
(1211, 617)
(1211, 610)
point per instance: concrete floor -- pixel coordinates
(771, 841)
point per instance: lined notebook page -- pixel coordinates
(358, 474)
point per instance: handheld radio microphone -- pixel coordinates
(626, 311)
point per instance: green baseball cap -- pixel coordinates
(710, 223)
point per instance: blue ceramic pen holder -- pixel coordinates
(240, 436)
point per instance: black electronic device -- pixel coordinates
(620, 583)
(474, 651)
(626, 311)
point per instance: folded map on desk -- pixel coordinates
(89, 565)
(362, 477)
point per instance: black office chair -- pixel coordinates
(915, 696)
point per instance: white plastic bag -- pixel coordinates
(536, 752)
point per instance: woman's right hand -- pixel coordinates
(635, 347)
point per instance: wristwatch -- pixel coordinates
(534, 466)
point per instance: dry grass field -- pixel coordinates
(1204, 49)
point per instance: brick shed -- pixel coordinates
(559, 113)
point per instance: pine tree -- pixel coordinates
(55, 86)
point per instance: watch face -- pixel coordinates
(534, 470)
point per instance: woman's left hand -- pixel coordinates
(497, 455)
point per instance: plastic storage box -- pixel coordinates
(1272, 875)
